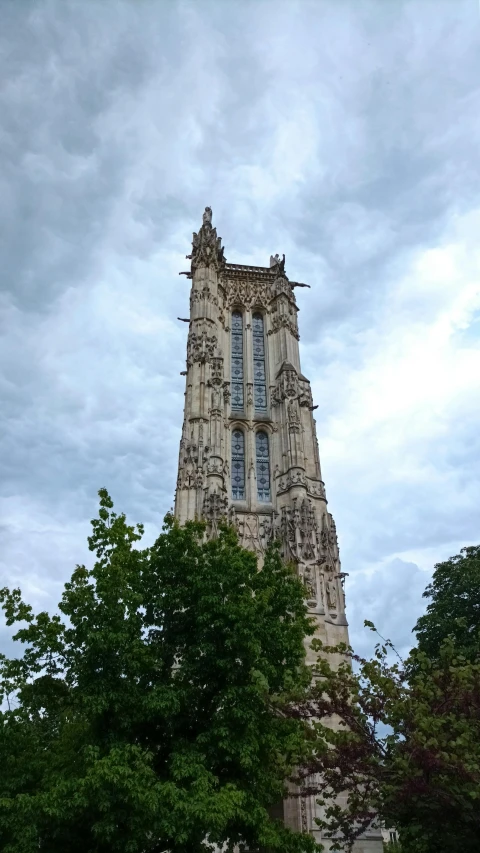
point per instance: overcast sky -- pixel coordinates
(345, 134)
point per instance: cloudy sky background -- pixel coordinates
(345, 134)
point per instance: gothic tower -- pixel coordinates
(249, 449)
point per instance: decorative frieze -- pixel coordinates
(248, 294)
(297, 477)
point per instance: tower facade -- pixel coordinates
(249, 450)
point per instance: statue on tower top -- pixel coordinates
(278, 263)
(206, 246)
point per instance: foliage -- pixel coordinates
(147, 716)
(392, 847)
(454, 607)
(405, 747)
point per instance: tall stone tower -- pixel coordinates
(249, 449)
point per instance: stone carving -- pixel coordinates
(217, 398)
(284, 316)
(287, 386)
(215, 507)
(310, 582)
(255, 531)
(299, 530)
(215, 465)
(226, 392)
(316, 488)
(249, 294)
(305, 394)
(216, 370)
(283, 321)
(278, 263)
(331, 587)
(297, 477)
(276, 396)
(294, 477)
(203, 294)
(328, 537)
(290, 382)
(200, 347)
(249, 394)
(281, 285)
(293, 416)
(332, 535)
(215, 382)
(206, 246)
(188, 465)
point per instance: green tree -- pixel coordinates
(402, 746)
(454, 608)
(149, 714)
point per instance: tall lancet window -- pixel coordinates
(238, 465)
(259, 378)
(237, 361)
(263, 467)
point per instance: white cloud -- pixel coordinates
(346, 137)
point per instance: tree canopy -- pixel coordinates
(147, 714)
(398, 742)
(166, 704)
(454, 607)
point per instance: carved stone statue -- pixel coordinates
(216, 398)
(292, 413)
(331, 593)
(309, 580)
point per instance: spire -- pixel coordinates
(207, 248)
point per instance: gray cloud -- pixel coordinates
(346, 135)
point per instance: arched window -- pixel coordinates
(237, 361)
(238, 465)
(259, 377)
(263, 466)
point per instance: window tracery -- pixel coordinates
(237, 361)
(238, 465)
(259, 376)
(263, 466)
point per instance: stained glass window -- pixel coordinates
(238, 465)
(263, 467)
(259, 378)
(237, 361)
